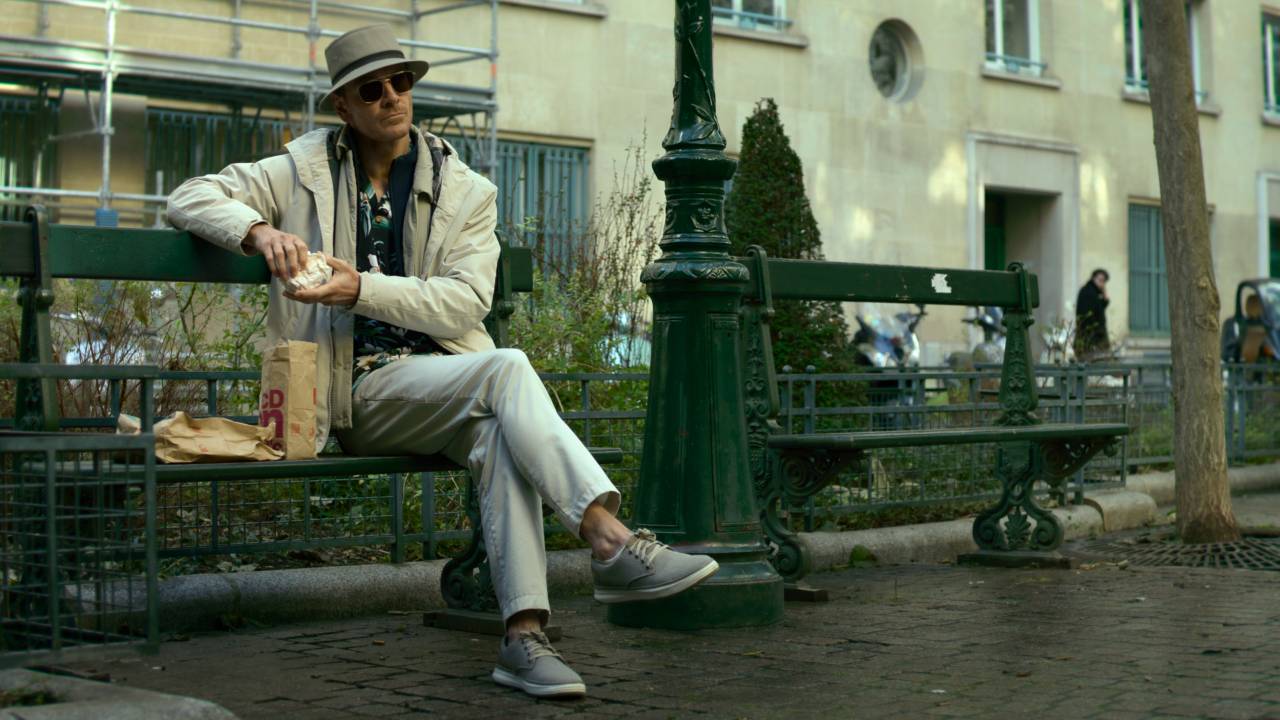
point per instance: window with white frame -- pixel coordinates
(1135, 61)
(751, 14)
(1013, 36)
(1271, 63)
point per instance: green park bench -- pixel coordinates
(790, 468)
(37, 251)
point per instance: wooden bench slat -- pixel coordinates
(949, 436)
(162, 255)
(863, 282)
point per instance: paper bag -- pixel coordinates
(184, 439)
(288, 399)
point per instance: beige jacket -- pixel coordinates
(449, 281)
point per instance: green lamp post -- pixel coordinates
(695, 487)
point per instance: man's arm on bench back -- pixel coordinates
(222, 207)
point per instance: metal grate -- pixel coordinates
(1250, 553)
(77, 543)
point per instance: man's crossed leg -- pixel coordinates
(490, 412)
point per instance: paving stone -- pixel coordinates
(997, 642)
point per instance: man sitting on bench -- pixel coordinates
(405, 364)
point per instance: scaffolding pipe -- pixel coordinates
(108, 81)
(236, 22)
(217, 19)
(123, 59)
(313, 37)
(42, 19)
(261, 25)
(89, 4)
(492, 169)
(418, 15)
(348, 7)
(413, 28)
(236, 44)
(86, 194)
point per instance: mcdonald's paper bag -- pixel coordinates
(184, 439)
(288, 399)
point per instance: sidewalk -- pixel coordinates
(903, 641)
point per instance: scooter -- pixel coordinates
(891, 343)
(991, 350)
(884, 344)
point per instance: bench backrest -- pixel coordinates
(37, 251)
(1015, 290)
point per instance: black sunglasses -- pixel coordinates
(371, 92)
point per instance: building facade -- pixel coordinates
(957, 133)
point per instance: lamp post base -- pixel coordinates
(745, 593)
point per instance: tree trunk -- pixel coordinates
(1200, 453)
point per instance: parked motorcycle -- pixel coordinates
(890, 343)
(991, 350)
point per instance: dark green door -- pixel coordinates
(1275, 249)
(993, 252)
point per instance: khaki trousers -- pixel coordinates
(489, 412)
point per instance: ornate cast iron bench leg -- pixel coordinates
(1017, 532)
(795, 477)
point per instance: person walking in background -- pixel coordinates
(1091, 341)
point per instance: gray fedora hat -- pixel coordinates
(365, 50)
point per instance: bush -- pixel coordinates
(768, 207)
(589, 312)
(176, 326)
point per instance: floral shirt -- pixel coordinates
(380, 248)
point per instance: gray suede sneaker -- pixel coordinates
(532, 665)
(648, 570)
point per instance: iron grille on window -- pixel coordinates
(27, 157)
(1148, 281)
(183, 145)
(543, 197)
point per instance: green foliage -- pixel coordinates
(32, 696)
(562, 327)
(176, 326)
(588, 310)
(768, 207)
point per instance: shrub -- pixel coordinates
(768, 207)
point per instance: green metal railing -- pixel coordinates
(401, 517)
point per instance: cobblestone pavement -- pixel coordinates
(908, 641)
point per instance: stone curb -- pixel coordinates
(1251, 478)
(1107, 511)
(79, 699)
(193, 602)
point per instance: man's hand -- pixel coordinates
(285, 253)
(343, 289)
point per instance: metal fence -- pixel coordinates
(939, 398)
(77, 550)
(271, 523)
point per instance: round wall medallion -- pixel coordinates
(896, 61)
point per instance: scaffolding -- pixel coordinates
(50, 65)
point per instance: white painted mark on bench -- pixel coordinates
(940, 285)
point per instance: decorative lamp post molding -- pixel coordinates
(695, 489)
